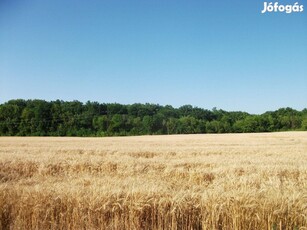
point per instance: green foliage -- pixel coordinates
(304, 124)
(60, 118)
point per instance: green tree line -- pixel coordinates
(61, 118)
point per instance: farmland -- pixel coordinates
(205, 181)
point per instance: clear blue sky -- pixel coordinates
(223, 54)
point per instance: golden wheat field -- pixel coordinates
(210, 181)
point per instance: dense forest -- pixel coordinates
(60, 118)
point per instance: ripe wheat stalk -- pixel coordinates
(237, 181)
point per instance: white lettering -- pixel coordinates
(275, 7)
